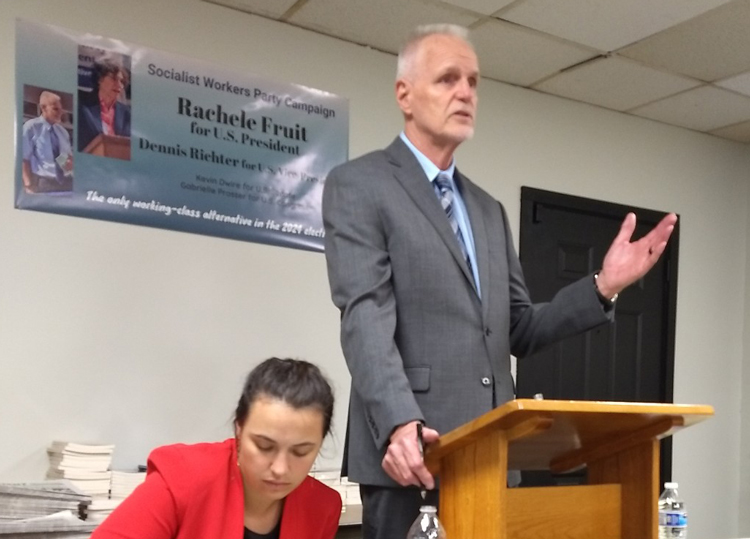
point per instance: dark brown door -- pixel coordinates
(564, 238)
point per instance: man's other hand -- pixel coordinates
(403, 461)
(626, 261)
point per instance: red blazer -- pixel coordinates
(195, 492)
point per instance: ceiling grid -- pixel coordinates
(684, 63)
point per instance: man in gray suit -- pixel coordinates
(433, 302)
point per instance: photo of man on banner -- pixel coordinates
(47, 164)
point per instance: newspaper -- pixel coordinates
(63, 521)
(21, 502)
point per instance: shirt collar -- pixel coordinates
(104, 106)
(431, 170)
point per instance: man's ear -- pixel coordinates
(403, 96)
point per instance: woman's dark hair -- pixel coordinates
(105, 67)
(298, 383)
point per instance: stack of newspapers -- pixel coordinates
(49, 510)
(123, 484)
(86, 466)
(351, 503)
(100, 509)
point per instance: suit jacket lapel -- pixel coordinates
(119, 119)
(97, 118)
(479, 231)
(411, 176)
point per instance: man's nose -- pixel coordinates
(465, 91)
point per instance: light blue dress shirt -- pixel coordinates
(37, 147)
(462, 216)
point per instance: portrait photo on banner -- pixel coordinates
(103, 103)
(47, 154)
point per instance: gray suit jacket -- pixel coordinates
(419, 342)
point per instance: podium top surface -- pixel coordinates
(102, 139)
(544, 434)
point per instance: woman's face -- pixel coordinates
(276, 447)
(112, 85)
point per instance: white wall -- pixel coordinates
(141, 336)
(744, 501)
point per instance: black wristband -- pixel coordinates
(607, 302)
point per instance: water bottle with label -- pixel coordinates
(427, 525)
(672, 514)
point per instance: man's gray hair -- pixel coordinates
(409, 49)
(47, 97)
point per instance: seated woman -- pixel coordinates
(256, 481)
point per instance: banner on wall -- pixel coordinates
(110, 130)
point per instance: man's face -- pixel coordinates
(52, 111)
(439, 95)
(111, 86)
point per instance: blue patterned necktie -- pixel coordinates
(55, 143)
(445, 194)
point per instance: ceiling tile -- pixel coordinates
(739, 132)
(383, 24)
(605, 24)
(675, 44)
(704, 109)
(710, 47)
(267, 8)
(615, 83)
(740, 83)
(485, 7)
(514, 54)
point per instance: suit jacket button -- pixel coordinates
(486, 381)
(487, 332)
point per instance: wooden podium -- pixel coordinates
(109, 146)
(618, 442)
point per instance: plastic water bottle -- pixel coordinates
(427, 525)
(672, 514)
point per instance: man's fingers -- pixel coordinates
(657, 238)
(398, 464)
(418, 468)
(403, 463)
(663, 229)
(425, 477)
(670, 219)
(429, 435)
(415, 469)
(396, 472)
(626, 229)
(655, 252)
(403, 460)
(397, 475)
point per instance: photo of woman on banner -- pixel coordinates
(104, 104)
